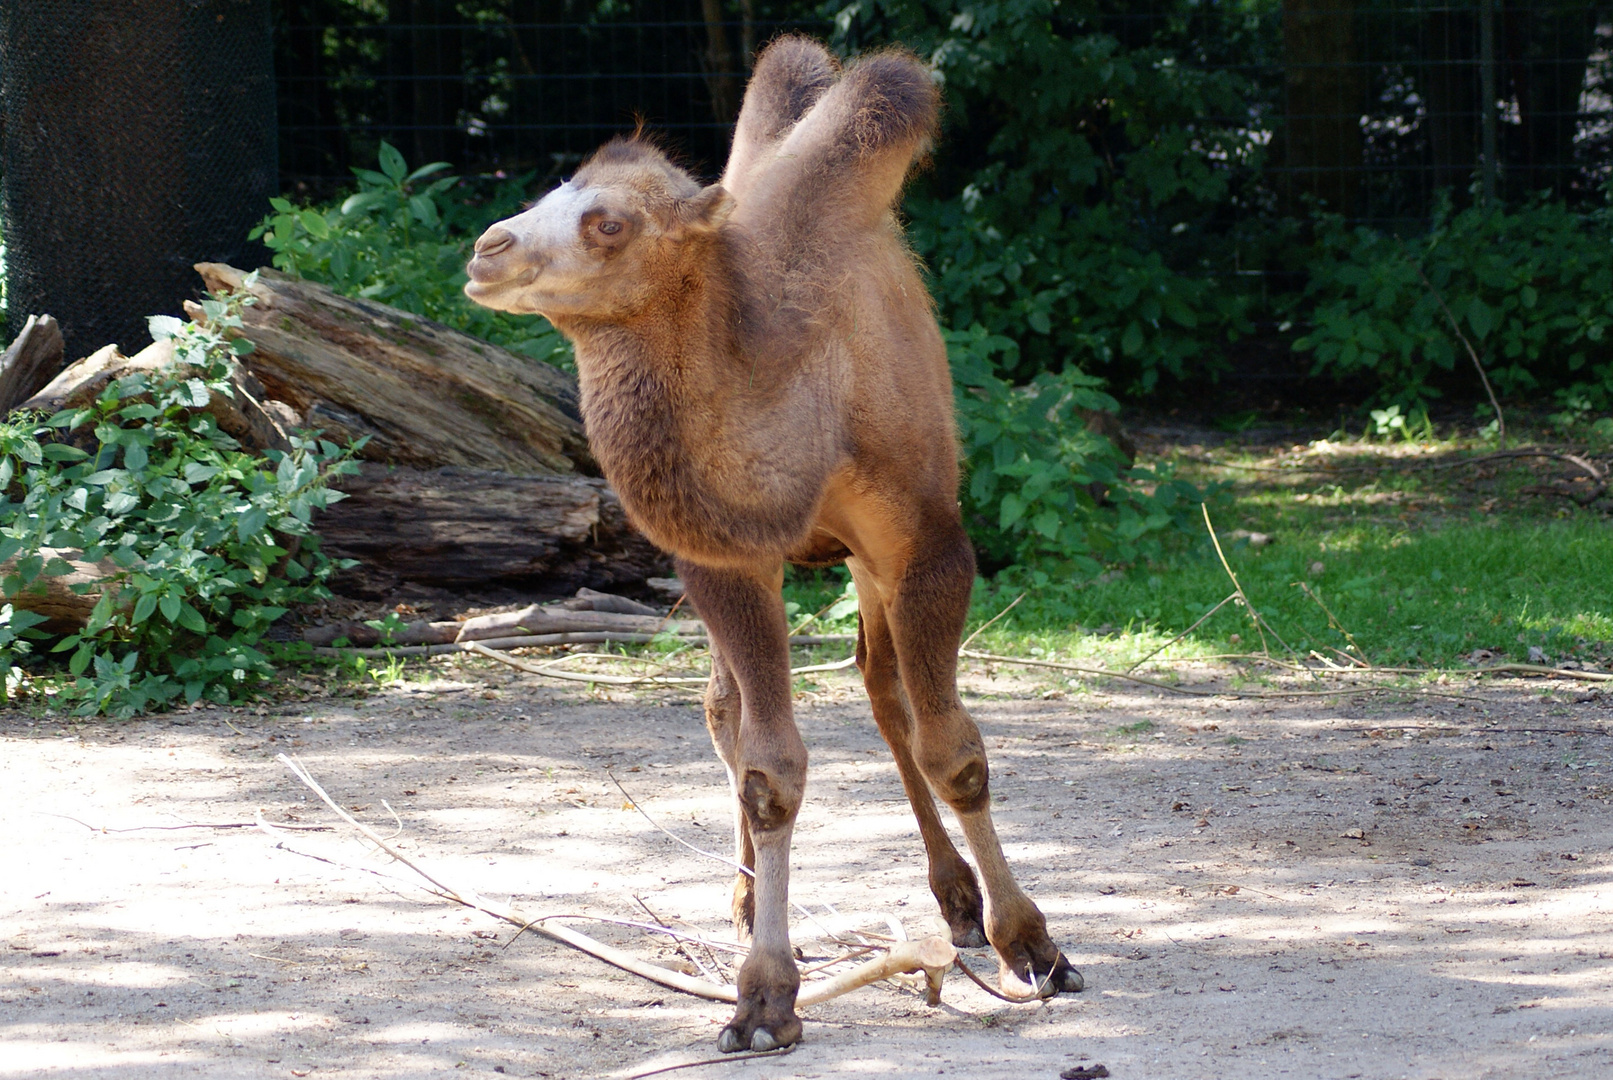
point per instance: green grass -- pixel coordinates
(1421, 568)
(1407, 597)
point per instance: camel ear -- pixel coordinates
(704, 212)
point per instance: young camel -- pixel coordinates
(764, 383)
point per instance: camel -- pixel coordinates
(763, 382)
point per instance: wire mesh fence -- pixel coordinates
(1367, 106)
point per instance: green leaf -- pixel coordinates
(314, 222)
(1131, 342)
(135, 458)
(143, 607)
(392, 163)
(191, 619)
(62, 452)
(1481, 317)
(169, 604)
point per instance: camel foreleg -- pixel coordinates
(744, 615)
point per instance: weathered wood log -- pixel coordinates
(30, 362)
(426, 395)
(53, 597)
(245, 415)
(454, 528)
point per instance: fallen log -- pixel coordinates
(426, 395)
(65, 609)
(458, 528)
(30, 362)
(245, 414)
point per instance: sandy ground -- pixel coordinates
(1309, 887)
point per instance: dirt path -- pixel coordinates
(1319, 887)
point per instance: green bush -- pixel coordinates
(1042, 491)
(212, 544)
(1069, 201)
(1532, 290)
(403, 239)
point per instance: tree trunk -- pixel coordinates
(426, 395)
(1451, 87)
(1326, 84)
(1546, 49)
(453, 528)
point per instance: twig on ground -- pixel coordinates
(725, 860)
(1500, 420)
(535, 640)
(1201, 621)
(1016, 999)
(916, 955)
(678, 943)
(1106, 673)
(724, 1060)
(171, 828)
(1261, 626)
(981, 628)
(1333, 622)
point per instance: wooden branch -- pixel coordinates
(30, 362)
(429, 396)
(932, 956)
(909, 956)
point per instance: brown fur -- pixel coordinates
(763, 382)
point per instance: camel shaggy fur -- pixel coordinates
(764, 383)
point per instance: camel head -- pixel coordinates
(603, 242)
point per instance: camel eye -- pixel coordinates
(610, 228)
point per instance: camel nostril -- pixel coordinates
(493, 241)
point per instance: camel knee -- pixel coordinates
(770, 798)
(957, 773)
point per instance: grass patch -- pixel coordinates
(1419, 567)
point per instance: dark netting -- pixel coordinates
(138, 138)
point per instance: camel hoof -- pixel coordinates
(762, 1040)
(969, 937)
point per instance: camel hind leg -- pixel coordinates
(723, 709)
(926, 609)
(951, 879)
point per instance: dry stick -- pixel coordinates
(725, 1060)
(1500, 420)
(1430, 466)
(1252, 694)
(170, 828)
(1258, 619)
(725, 860)
(915, 955)
(991, 620)
(690, 956)
(1016, 999)
(1202, 619)
(1333, 621)
(534, 640)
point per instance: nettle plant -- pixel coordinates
(1043, 491)
(210, 543)
(404, 238)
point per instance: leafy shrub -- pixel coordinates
(1043, 491)
(1532, 290)
(403, 239)
(212, 544)
(1078, 170)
